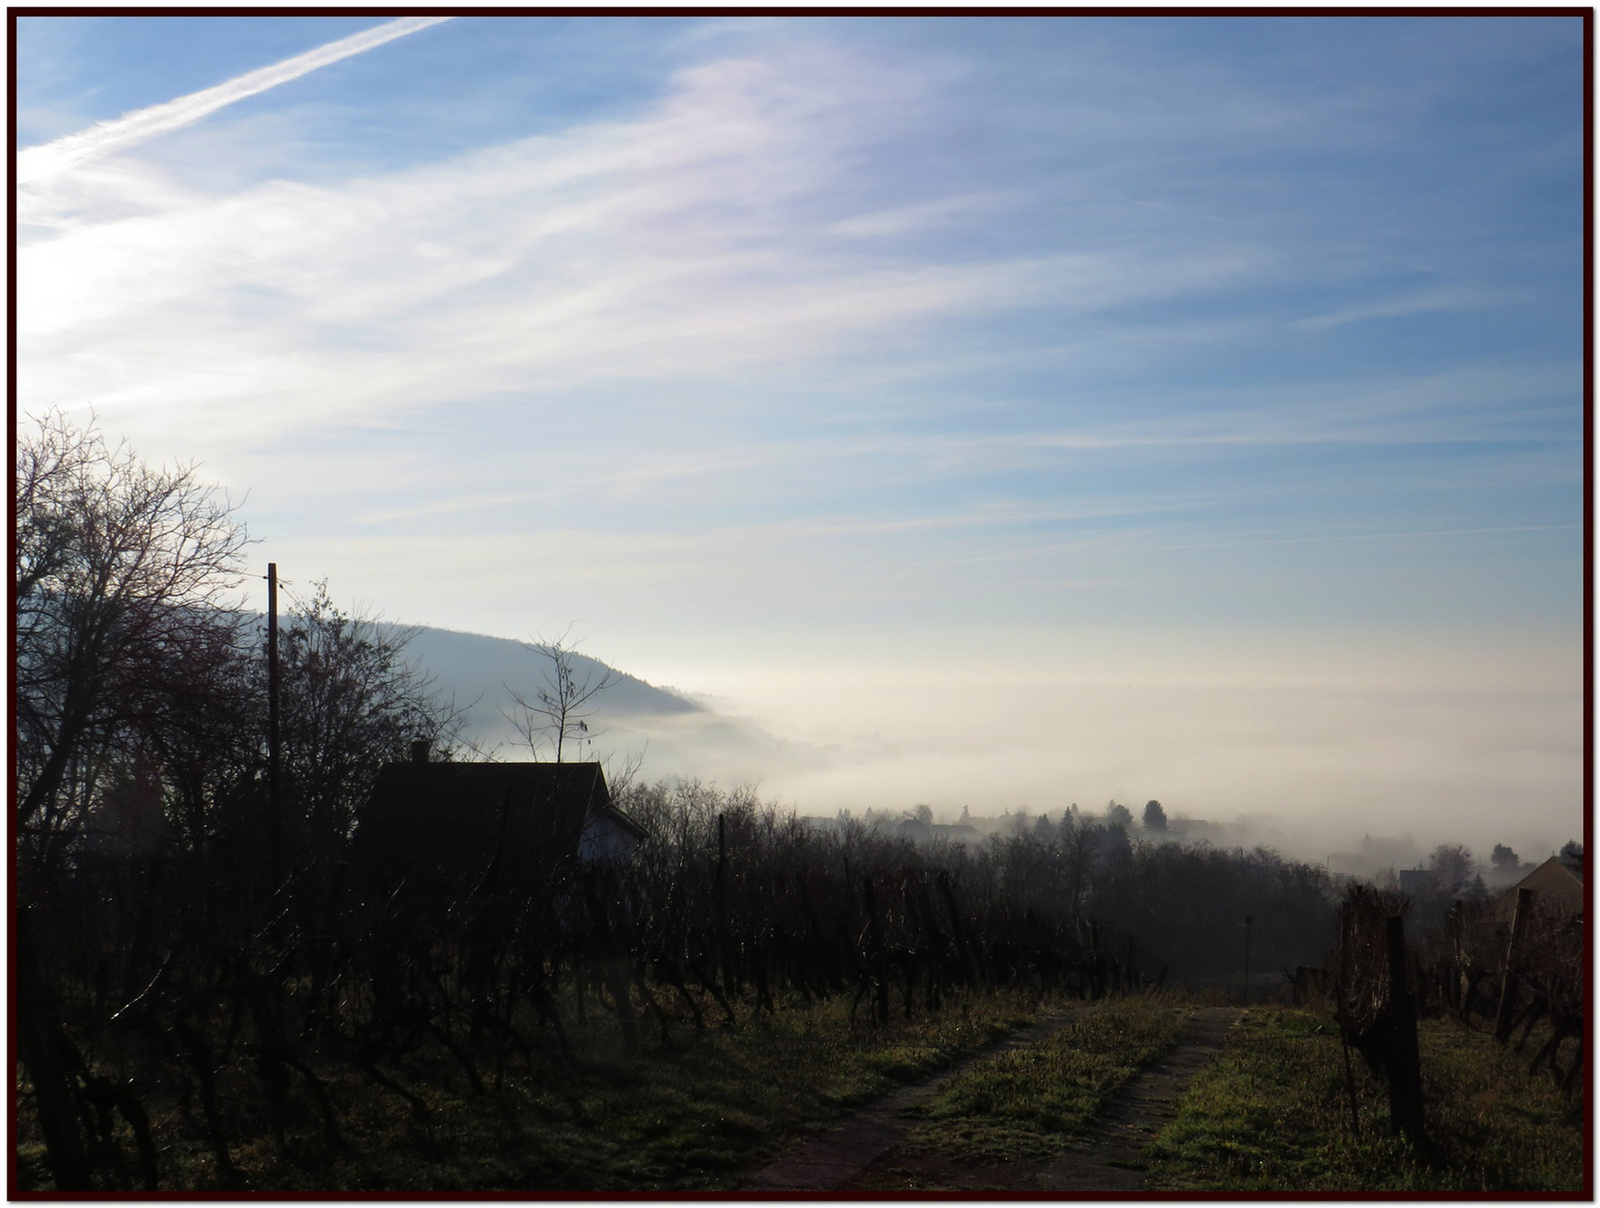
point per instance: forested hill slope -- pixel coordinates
(470, 666)
(676, 734)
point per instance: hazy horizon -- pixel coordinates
(920, 733)
(1007, 412)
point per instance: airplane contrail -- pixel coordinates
(104, 138)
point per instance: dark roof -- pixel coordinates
(437, 815)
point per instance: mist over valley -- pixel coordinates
(1320, 777)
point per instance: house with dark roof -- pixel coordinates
(1558, 883)
(456, 819)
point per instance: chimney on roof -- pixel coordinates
(419, 750)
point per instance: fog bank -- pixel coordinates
(1308, 746)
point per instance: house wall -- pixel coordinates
(605, 842)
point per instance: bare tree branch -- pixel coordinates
(559, 710)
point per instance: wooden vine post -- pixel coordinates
(1508, 989)
(1405, 1074)
(1346, 930)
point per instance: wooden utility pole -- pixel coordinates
(272, 713)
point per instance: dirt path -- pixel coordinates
(863, 1153)
(1108, 1157)
(830, 1159)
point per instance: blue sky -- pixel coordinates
(781, 353)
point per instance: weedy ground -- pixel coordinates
(699, 1111)
(702, 1110)
(1273, 1113)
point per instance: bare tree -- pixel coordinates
(350, 704)
(1079, 840)
(1454, 866)
(622, 772)
(119, 574)
(559, 711)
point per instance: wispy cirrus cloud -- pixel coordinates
(683, 243)
(946, 335)
(1413, 302)
(131, 129)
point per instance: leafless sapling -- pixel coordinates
(558, 712)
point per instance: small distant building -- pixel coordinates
(1194, 830)
(1376, 858)
(1557, 883)
(918, 830)
(455, 819)
(957, 832)
(1346, 864)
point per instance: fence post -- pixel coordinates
(1248, 919)
(1508, 988)
(724, 942)
(880, 972)
(1453, 970)
(1405, 1075)
(968, 969)
(1097, 966)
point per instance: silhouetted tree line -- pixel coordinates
(156, 937)
(1188, 905)
(169, 949)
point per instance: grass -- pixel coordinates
(705, 1110)
(1272, 1113)
(1024, 1105)
(699, 1112)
